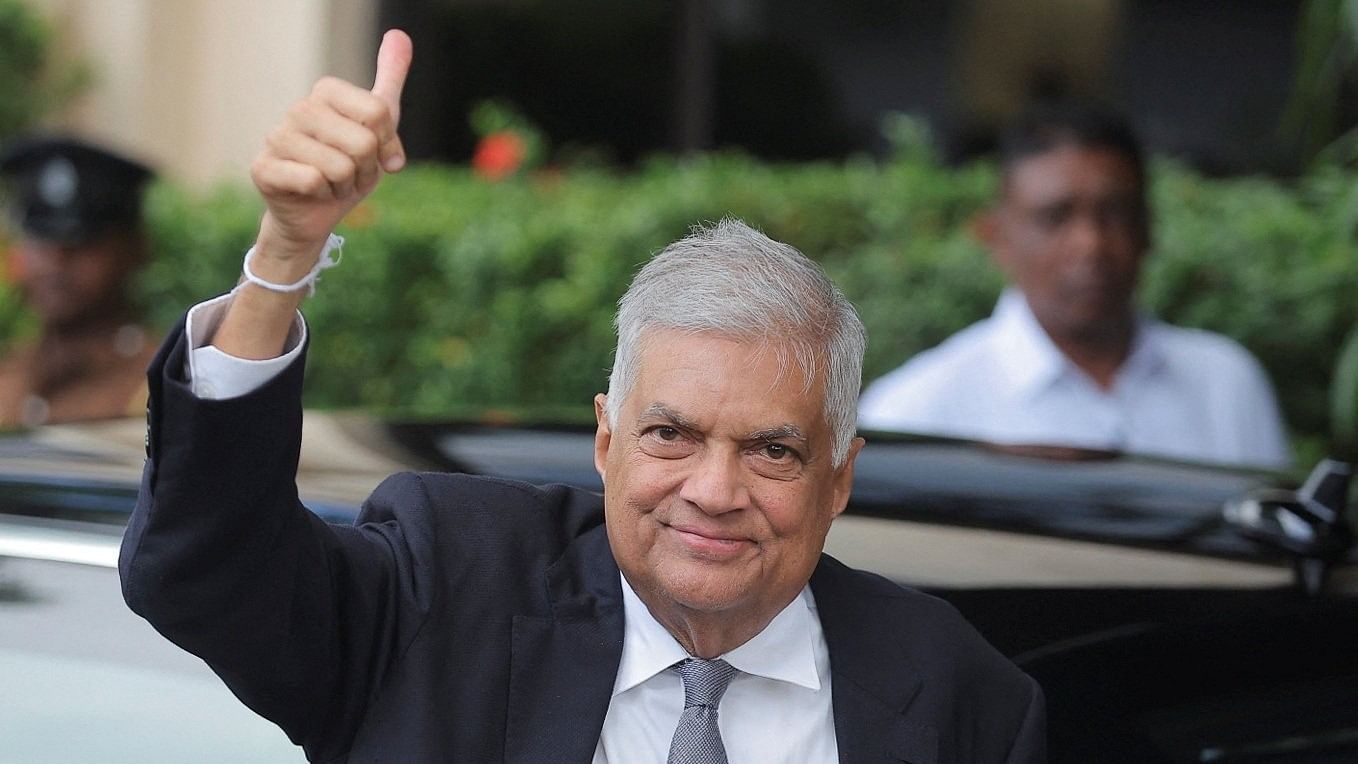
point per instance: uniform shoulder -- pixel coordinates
(968, 345)
(930, 372)
(1192, 345)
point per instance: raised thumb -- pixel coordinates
(393, 64)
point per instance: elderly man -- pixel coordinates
(688, 615)
(77, 209)
(1065, 359)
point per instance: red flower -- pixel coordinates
(498, 155)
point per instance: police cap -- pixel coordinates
(68, 191)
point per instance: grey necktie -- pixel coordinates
(697, 739)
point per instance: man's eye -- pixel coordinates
(777, 452)
(665, 442)
(1123, 214)
(1053, 217)
(664, 435)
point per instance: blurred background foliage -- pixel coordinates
(34, 80)
(1322, 112)
(462, 294)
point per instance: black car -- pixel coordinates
(1172, 612)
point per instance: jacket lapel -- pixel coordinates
(870, 691)
(563, 666)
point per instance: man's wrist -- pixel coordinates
(281, 261)
(327, 260)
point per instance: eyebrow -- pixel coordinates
(661, 411)
(778, 433)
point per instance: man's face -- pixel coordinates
(68, 284)
(719, 483)
(1070, 230)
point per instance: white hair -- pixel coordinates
(732, 280)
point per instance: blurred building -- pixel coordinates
(193, 85)
(1204, 81)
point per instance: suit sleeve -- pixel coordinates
(1030, 745)
(301, 619)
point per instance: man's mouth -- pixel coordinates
(710, 543)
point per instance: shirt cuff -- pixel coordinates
(214, 375)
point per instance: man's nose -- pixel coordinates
(717, 483)
(1089, 235)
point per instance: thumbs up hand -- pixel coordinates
(328, 154)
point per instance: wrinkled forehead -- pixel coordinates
(762, 366)
(797, 360)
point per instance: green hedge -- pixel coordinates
(36, 78)
(459, 293)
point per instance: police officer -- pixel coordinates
(77, 211)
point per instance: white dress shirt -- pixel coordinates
(777, 709)
(1182, 393)
(214, 375)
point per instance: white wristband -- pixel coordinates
(333, 243)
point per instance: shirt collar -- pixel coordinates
(783, 651)
(1031, 362)
(1026, 356)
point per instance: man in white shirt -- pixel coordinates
(1066, 359)
(688, 615)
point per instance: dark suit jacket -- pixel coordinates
(480, 620)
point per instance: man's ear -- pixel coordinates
(603, 435)
(843, 478)
(985, 228)
(139, 248)
(1146, 233)
(15, 264)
